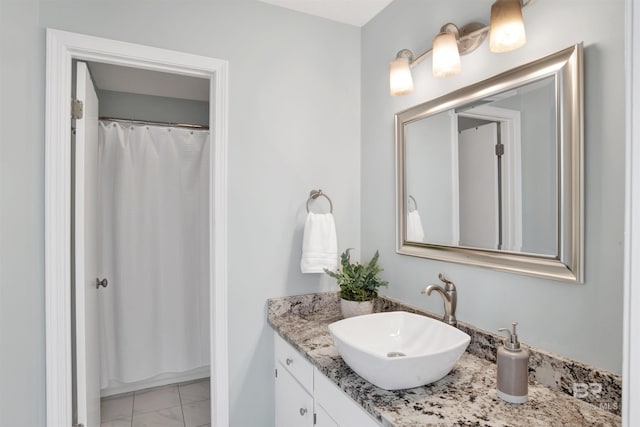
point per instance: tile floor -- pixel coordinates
(176, 405)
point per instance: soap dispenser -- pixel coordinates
(513, 369)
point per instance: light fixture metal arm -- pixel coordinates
(470, 37)
(420, 58)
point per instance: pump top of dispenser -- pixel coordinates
(512, 342)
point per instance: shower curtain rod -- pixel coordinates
(147, 122)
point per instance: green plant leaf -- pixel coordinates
(358, 282)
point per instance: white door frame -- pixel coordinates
(62, 48)
(510, 125)
(631, 348)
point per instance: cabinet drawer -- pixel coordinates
(294, 362)
(344, 410)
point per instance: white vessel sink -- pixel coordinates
(398, 350)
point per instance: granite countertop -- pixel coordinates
(467, 396)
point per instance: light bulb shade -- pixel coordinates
(446, 57)
(507, 28)
(400, 80)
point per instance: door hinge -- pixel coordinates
(499, 150)
(276, 372)
(76, 109)
(315, 421)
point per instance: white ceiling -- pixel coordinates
(145, 82)
(354, 12)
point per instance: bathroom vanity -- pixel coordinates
(306, 397)
(313, 381)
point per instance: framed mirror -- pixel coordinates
(492, 174)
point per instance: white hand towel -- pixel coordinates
(319, 244)
(415, 233)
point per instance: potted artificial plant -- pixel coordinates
(358, 284)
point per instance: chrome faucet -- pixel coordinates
(450, 299)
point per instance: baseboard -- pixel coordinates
(157, 381)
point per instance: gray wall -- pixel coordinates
(294, 125)
(428, 160)
(539, 180)
(579, 321)
(539, 164)
(154, 108)
(21, 216)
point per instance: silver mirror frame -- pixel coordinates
(567, 68)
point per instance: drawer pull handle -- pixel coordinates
(303, 411)
(102, 283)
(289, 361)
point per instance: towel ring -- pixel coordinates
(314, 194)
(415, 204)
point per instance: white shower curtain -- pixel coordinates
(154, 197)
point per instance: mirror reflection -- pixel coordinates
(491, 174)
(485, 174)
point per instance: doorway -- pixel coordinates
(62, 49)
(489, 184)
(480, 184)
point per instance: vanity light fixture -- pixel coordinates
(506, 33)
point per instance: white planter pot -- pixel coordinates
(355, 308)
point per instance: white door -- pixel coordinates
(87, 373)
(478, 181)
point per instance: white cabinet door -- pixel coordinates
(323, 419)
(86, 254)
(344, 411)
(294, 406)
